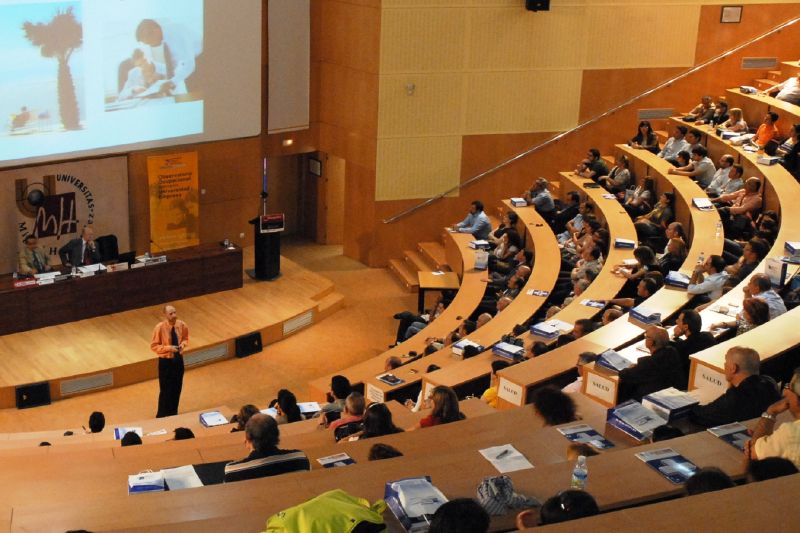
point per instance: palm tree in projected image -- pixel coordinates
(59, 39)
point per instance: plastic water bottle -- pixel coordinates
(579, 474)
(701, 258)
(718, 231)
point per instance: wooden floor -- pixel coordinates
(122, 341)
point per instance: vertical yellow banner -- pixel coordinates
(174, 201)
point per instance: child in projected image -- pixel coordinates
(140, 77)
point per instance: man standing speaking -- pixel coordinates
(170, 339)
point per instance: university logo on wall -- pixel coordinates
(54, 210)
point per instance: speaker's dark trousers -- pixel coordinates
(170, 383)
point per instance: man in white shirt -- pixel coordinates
(726, 182)
(700, 168)
(788, 91)
(674, 144)
(760, 287)
(721, 175)
(707, 279)
(785, 442)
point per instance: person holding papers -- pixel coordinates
(81, 251)
(476, 222)
(658, 371)
(748, 393)
(785, 442)
(265, 459)
(32, 258)
(170, 339)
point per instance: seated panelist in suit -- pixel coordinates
(32, 258)
(81, 251)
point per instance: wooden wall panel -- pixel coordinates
(617, 86)
(422, 40)
(433, 108)
(417, 167)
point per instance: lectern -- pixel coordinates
(267, 241)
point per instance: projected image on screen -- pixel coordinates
(153, 56)
(43, 91)
(93, 77)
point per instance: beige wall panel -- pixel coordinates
(513, 102)
(622, 45)
(422, 40)
(512, 38)
(434, 108)
(417, 168)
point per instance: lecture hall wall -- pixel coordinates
(420, 95)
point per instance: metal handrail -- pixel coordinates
(592, 120)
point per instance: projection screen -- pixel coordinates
(92, 77)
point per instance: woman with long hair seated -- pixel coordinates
(287, 408)
(645, 138)
(378, 422)
(445, 408)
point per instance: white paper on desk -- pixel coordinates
(512, 461)
(183, 477)
(47, 275)
(271, 411)
(438, 273)
(97, 267)
(157, 432)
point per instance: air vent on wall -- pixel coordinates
(761, 63)
(657, 113)
(88, 383)
(298, 323)
(204, 356)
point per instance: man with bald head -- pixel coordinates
(659, 370)
(170, 339)
(81, 251)
(748, 395)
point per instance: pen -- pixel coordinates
(503, 453)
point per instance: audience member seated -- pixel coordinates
(645, 262)
(760, 287)
(693, 137)
(645, 138)
(688, 337)
(736, 123)
(540, 198)
(482, 320)
(619, 176)
(727, 179)
(791, 157)
(554, 406)
(593, 167)
(785, 442)
(675, 144)
(769, 468)
(476, 222)
(392, 362)
(265, 459)
(445, 408)
(131, 438)
(578, 287)
(708, 479)
(490, 395)
(650, 227)
(583, 359)
(743, 207)
(241, 418)
(411, 324)
(509, 221)
(378, 422)
(611, 314)
(382, 451)
(700, 168)
(707, 279)
(97, 422)
(460, 515)
(183, 434)
(640, 199)
(753, 253)
(644, 290)
(589, 265)
(754, 313)
(288, 410)
(702, 112)
(340, 389)
(352, 418)
(674, 257)
(507, 248)
(748, 393)
(567, 213)
(583, 326)
(659, 370)
(720, 115)
(423, 403)
(575, 225)
(788, 91)
(766, 131)
(567, 505)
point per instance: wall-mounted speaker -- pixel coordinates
(33, 395)
(537, 5)
(248, 344)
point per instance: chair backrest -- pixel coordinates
(345, 430)
(108, 246)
